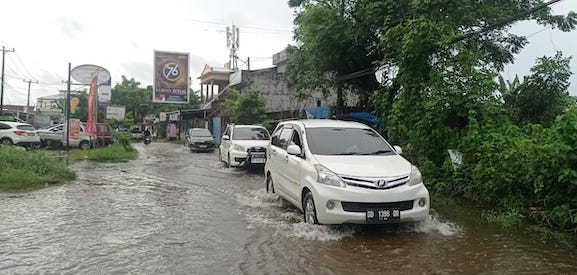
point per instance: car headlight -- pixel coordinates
(237, 147)
(328, 177)
(415, 177)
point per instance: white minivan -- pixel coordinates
(339, 172)
(244, 145)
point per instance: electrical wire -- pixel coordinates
(241, 26)
(31, 76)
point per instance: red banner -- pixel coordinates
(90, 122)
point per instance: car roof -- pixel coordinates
(246, 126)
(320, 123)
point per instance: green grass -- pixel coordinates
(20, 169)
(113, 153)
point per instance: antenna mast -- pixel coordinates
(232, 42)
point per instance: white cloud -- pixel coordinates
(121, 36)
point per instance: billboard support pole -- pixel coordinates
(67, 107)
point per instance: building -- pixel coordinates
(282, 101)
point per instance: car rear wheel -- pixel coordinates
(309, 210)
(6, 141)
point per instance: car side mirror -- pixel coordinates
(294, 150)
(225, 137)
(398, 149)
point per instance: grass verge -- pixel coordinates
(510, 221)
(21, 169)
(113, 153)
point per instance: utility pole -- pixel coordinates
(28, 100)
(4, 51)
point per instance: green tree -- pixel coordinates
(245, 108)
(543, 95)
(138, 100)
(436, 58)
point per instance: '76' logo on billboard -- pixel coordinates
(171, 71)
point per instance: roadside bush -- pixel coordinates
(528, 170)
(22, 169)
(124, 139)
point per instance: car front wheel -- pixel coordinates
(227, 164)
(269, 184)
(84, 145)
(309, 210)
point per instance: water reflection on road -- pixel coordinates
(173, 211)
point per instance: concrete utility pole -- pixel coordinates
(4, 51)
(28, 100)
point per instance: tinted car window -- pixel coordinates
(346, 141)
(4, 126)
(252, 133)
(26, 127)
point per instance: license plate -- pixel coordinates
(31, 134)
(258, 160)
(392, 215)
(203, 146)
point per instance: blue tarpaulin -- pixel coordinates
(368, 117)
(319, 112)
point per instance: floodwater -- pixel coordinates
(176, 212)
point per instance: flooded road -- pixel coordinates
(176, 212)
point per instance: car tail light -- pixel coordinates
(19, 132)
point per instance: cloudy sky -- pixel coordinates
(121, 36)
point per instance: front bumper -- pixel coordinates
(201, 146)
(351, 202)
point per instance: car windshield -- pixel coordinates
(250, 133)
(199, 133)
(346, 141)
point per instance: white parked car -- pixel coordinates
(340, 172)
(54, 136)
(17, 133)
(244, 145)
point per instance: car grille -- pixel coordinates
(208, 143)
(376, 183)
(364, 206)
(257, 149)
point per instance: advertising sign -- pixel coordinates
(115, 112)
(74, 129)
(170, 77)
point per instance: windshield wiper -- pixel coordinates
(347, 154)
(380, 152)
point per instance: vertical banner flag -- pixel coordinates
(90, 121)
(170, 77)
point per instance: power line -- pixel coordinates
(24, 66)
(503, 22)
(463, 37)
(242, 26)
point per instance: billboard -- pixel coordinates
(170, 77)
